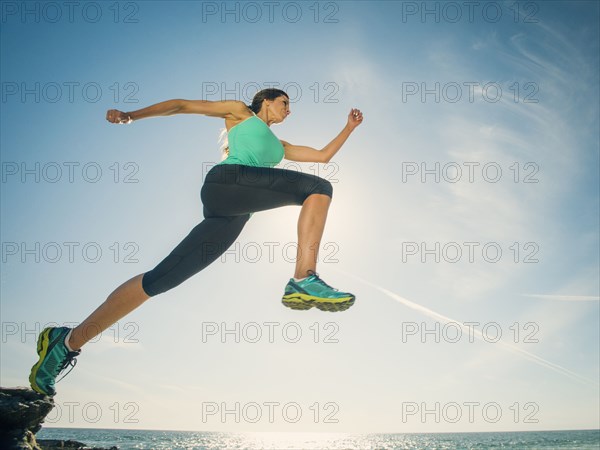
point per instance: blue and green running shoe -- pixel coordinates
(54, 358)
(312, 291)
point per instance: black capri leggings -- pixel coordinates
(231, 192)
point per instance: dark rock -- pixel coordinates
(51, 444)
(55, 444)
(22, 412)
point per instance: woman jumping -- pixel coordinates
(242, 184)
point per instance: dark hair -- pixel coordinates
(265, 94)
(255, 106)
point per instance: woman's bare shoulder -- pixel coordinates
(243, 113)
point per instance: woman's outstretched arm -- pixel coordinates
(227, 109)
(302, 153)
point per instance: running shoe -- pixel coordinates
(54, 358)
(313, 291)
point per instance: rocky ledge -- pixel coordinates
(22, 412)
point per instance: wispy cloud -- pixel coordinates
(565, 298)
(478, 334)
(129, 387)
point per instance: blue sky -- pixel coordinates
(511, 97)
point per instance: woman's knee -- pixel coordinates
(322, 186)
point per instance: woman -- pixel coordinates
(242, 184)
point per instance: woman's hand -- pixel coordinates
(354, 119)
(116, 116)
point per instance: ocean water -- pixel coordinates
(150, 439)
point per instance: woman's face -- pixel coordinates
(279, 108)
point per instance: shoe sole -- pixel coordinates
(42, 350)
(305, 302)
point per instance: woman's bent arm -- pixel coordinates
(302, 153)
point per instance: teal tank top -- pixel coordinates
(252, 143)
